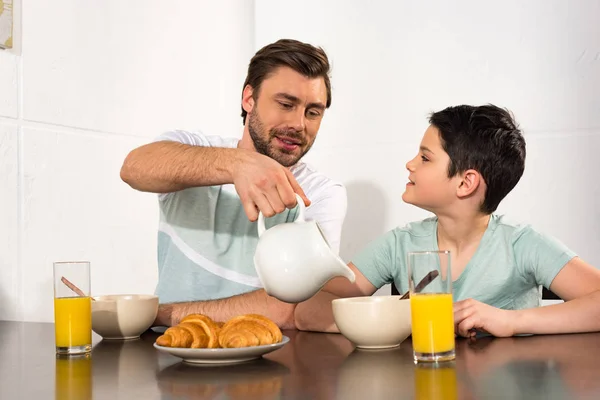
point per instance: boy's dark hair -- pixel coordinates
(486, 139)
(302, 57)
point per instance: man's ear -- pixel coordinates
(248, 99)
(470, 182)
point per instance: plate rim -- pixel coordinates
(283, 342)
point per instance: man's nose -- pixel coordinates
(298, 120)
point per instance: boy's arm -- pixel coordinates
(316, 314)
(377, 262)
(578, 283)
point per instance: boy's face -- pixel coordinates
(429, 186)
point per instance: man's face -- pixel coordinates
(429, 186)
(286, 115)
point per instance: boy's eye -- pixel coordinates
(423, 158)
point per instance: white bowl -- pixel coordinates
(373, 322)
(123, 316)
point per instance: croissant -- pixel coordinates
(210, 328)
(176, 336)
(249, 330)
(199, 331)
(194, 331)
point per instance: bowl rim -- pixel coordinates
(366, 299)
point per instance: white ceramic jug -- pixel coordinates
(294, 261)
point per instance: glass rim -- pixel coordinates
(429, 252)
(69, 262)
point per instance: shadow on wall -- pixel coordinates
(365, 218)
(6, 307)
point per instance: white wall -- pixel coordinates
(393, 62)
(85, 86)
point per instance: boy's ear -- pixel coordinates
(248, 99)
(471, 180)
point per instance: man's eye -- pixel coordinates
(287, 106)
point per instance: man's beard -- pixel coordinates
(263, 145)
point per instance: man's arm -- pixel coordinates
(168, 166)
(314, 314)
(257, 302)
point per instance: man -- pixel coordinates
(211, 189)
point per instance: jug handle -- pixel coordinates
(299, 218)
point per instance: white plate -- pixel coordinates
(222, 356)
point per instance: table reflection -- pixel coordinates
(259, 379)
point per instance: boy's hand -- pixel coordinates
(471, 316)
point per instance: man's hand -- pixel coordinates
(264, 184)
(471, 316)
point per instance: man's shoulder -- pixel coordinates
(313, 181)
(197, 138)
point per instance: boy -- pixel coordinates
(470, 158)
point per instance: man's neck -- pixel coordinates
(246, 141)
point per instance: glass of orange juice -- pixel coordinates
(432, 316)
(72, 307)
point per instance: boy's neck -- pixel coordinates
(459, 234)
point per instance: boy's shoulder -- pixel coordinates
(422, 228)
(506, 226)
(499, 225)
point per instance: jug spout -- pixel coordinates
(345, 270)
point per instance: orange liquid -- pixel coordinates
(73, 321)
(432, 322)
(435, 384)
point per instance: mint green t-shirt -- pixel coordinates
(507, 271)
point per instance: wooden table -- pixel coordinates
(311, 366)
